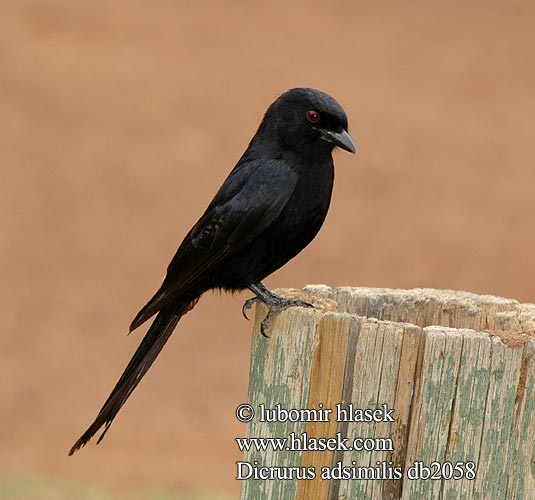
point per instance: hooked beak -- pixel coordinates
(341, 139)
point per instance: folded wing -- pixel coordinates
(249, 201)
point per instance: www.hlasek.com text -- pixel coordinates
(304, 442)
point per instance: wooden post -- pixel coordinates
(456, 368)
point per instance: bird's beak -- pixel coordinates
(341, 139)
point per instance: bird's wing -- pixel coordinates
(250, 199)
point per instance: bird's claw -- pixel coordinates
(302, 303)
(247, 305)
(265, 324)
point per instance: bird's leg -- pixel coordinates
(274, 302)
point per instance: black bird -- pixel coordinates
(269, 208)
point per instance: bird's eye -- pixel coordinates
(313, 116)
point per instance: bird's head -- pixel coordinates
(309, 121)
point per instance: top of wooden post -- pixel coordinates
(458, 370)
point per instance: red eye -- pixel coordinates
(313, 116)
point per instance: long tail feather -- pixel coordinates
(151, 345)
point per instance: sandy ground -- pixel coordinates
(119, 122)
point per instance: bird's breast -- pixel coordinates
(295, 227)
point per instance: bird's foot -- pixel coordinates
(273, 301)
(280, 304)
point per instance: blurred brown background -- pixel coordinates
(119, 120)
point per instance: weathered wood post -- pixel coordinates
(456, 368)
